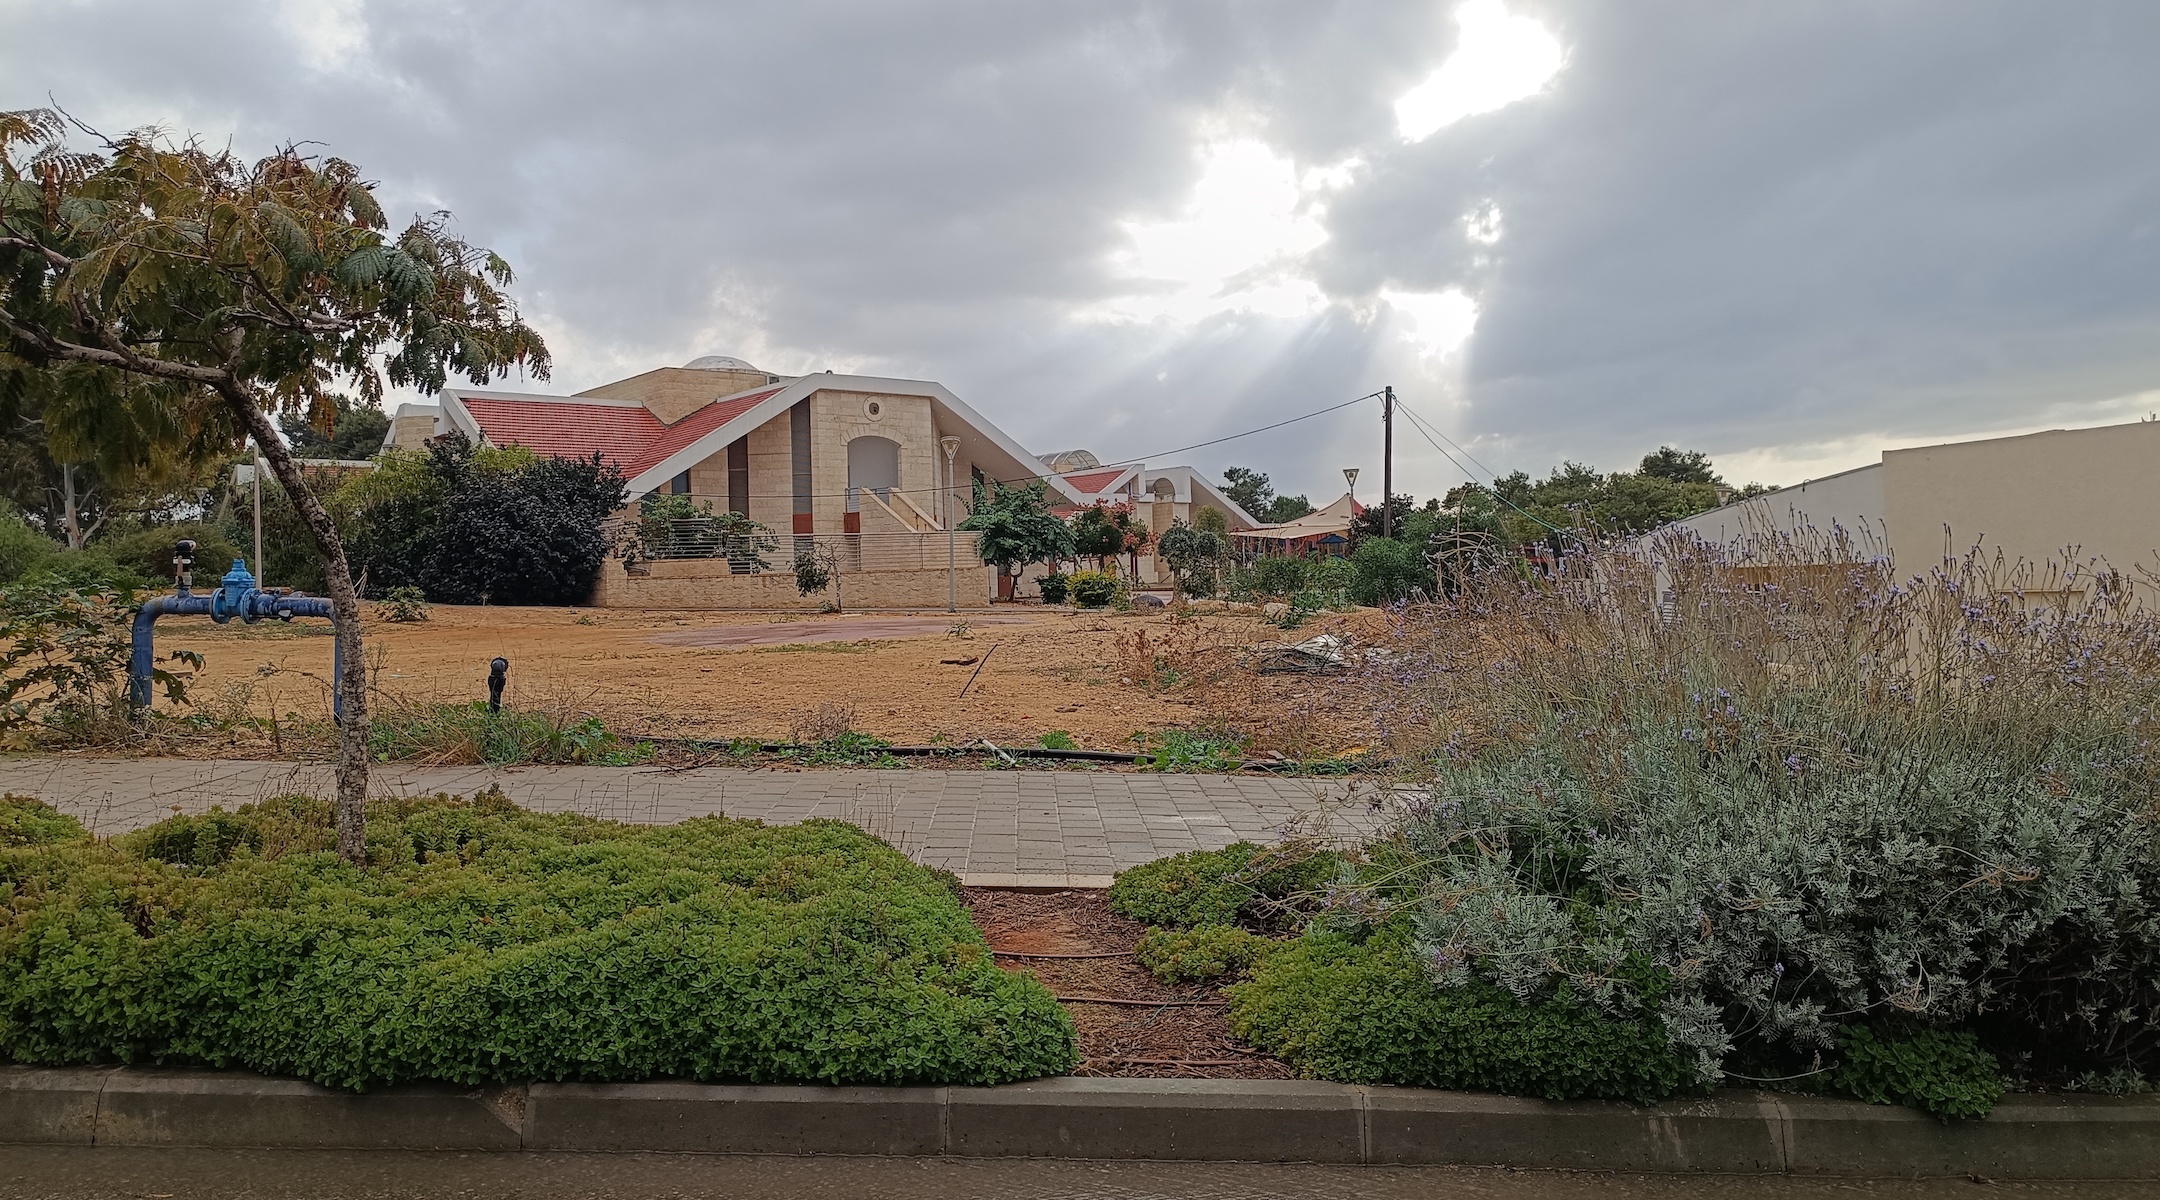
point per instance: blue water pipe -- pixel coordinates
(236, 596)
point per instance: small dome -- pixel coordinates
(718, 362)
(1070, 460)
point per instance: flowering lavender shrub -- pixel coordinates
(1812, 797)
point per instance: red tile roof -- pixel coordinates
(694, 426)
(627, 435)
(1088, 483)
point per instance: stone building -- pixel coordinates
(856, 466)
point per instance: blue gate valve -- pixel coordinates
(233, 594)
(236, 596)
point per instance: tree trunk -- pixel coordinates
(351, 683)
(70, 520)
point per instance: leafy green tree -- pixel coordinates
(1105, 531)
(355, 432)
(524, 532)
(1285, 508)
(1678, 466)
(1190, 552)
(198, 295)
(1250, 489)
(1256, 495)
(1016, 527)
(1388, 570)
(73, 457)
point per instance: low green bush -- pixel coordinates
(1370, 1013)
(484, 944)
(1240, 882)
(1052, 586)
(1943, 1072)
(23, 550)
(1197, 955)
(469, 733)
(1210, 750)
(403, 605)
(148, 552)
(1094, 589)
(92, 570)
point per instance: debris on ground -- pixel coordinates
(1323, 655)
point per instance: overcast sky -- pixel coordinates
(1788, 234)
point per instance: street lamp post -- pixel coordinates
(952, 535)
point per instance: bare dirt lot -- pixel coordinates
(742, 675)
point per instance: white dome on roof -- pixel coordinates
(717, 362)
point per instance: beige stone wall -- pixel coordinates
(672, 393)
(708, 480)
(837, 418)
(410, 431)
(2030, 497)
(772, 474)
(706, 584)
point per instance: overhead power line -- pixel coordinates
(1320, 412)
(1428, 434)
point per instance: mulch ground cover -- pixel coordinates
(1130, 1024)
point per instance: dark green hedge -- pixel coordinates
(1368, 1013)
(487, 944)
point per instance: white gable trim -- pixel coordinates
(806, 386)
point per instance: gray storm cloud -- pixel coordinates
(1781, 233)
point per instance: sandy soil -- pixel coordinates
(1187, 1036)
(730, 675)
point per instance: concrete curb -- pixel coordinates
(2027, 1137)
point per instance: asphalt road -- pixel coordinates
(154, 1174)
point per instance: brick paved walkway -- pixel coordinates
(1039, 828)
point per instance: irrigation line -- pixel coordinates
(978, 669)
(720, 750)
(1028, 954)
(1141, 1003)
(1172, 1062)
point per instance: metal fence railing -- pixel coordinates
(641, 542)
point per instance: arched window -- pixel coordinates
(872, 463)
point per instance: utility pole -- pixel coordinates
(951, 446)
(1387, 463)
(262, 577)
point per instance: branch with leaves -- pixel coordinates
(228, 292)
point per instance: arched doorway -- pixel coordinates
(873, 463)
